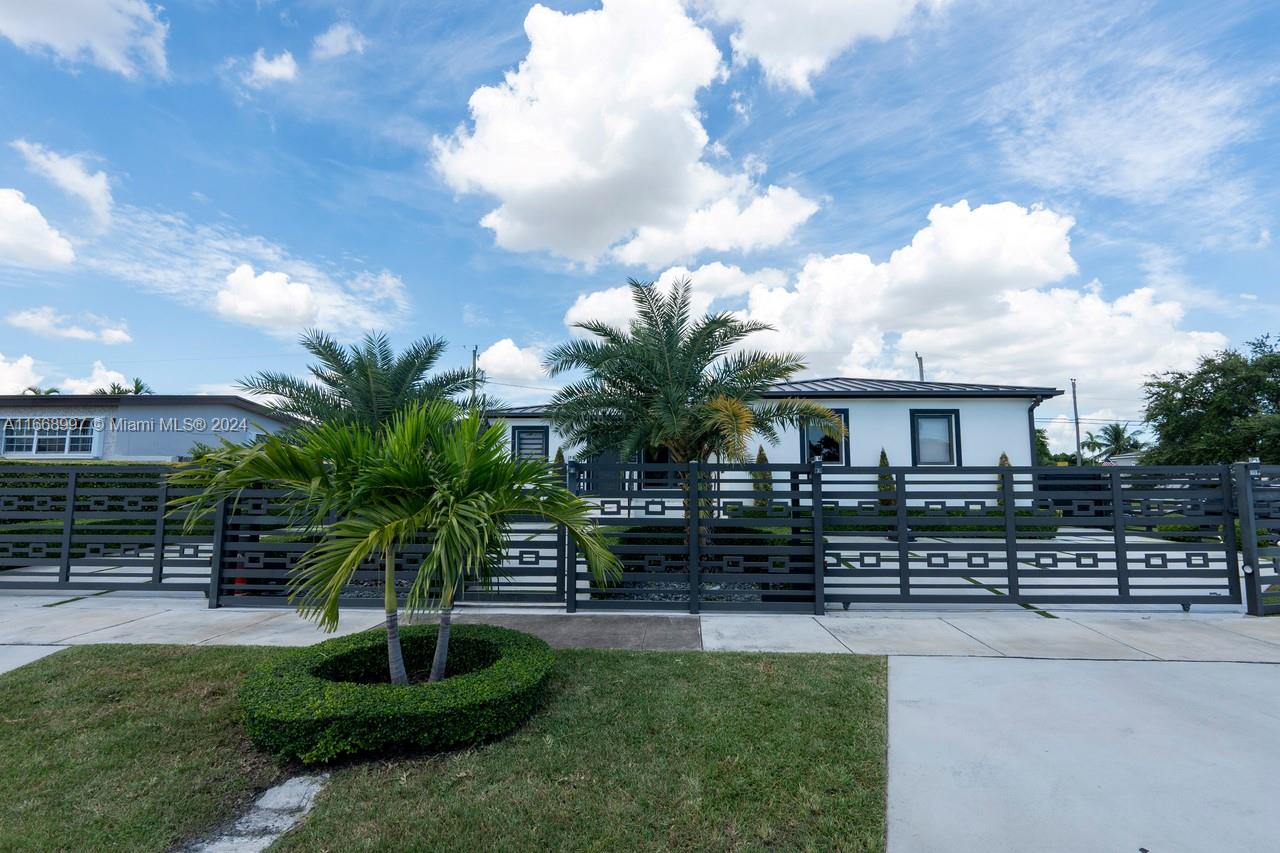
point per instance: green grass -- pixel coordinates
(644, 751)
(124, 747)
(139, 748)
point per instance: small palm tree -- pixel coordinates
(115, 389)
(1112, 439)
(431, 475)
(37, 391)
(671, 383)
(366, 383)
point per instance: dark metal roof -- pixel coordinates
(841, 386)
(81, 400)
(539, 411)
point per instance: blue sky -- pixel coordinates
(1022, 192)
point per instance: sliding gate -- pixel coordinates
(805, 537)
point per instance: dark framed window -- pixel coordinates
(815, 444)
(531, 442)
(935, 437)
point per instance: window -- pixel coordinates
(49, 436)
(935, 437)
(815, 444)
(530, 442)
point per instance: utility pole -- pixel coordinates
(1075, 411)
(920, 366)
(475, 361)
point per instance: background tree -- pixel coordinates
(1112, 439)
(431, 474)
(115, 389)
(37, 391)
(1044, 456)
(1226, 410)
(366, 383)
(885, 481)
(672, 385)
(761, 481)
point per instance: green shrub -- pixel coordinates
(332, 699)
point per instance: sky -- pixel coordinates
(1020, 192)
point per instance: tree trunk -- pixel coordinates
(441, 657)
(395, 657)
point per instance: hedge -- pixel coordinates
(332, 699)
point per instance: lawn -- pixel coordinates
(124, 747)
(136, 747)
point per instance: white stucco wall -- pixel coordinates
(148, 433)
(988, 427)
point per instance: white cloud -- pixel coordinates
(45, 320)
(978, 292)
(711, 282)
(99, 377)
(503, 361)
(339, 40)
(26, 238)
(193, 263)
(70, 173)
(796, 40)
(125, 36)
(18, 374)
(595, 143)
(265, 72)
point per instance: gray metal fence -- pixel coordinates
(703, 537)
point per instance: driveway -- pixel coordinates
(1060, 756)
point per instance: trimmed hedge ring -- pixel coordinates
(332, 699)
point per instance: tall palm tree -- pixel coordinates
(431, 475)
(1112, 439)
(365, 383)
(115, 389)
(37, 391)
(673, 383)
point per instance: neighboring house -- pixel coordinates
(937, 424)
(1126, 460)
(126, 427)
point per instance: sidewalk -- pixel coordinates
(48, 620)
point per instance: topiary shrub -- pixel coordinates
(333, 699)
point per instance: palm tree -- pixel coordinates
(37, 391)
(115, 389)
(366, 383)
(431, 475)
(1112, 439)
(672, 383)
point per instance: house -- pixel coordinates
(126, 427)
(936, 424)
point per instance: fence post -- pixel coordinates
(1248, 537)
(68, 525)
(904, 534)
(215, 558)
(1008, 498)
(695, 545)
(1118, 530)
(157, 544)
(819, 542)
(1230, 545)
(570, 550)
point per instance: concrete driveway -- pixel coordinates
(1067, 756)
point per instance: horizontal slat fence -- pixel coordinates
(704, 537)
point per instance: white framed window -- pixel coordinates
(52, 436)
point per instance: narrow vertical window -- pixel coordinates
(935, 437)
